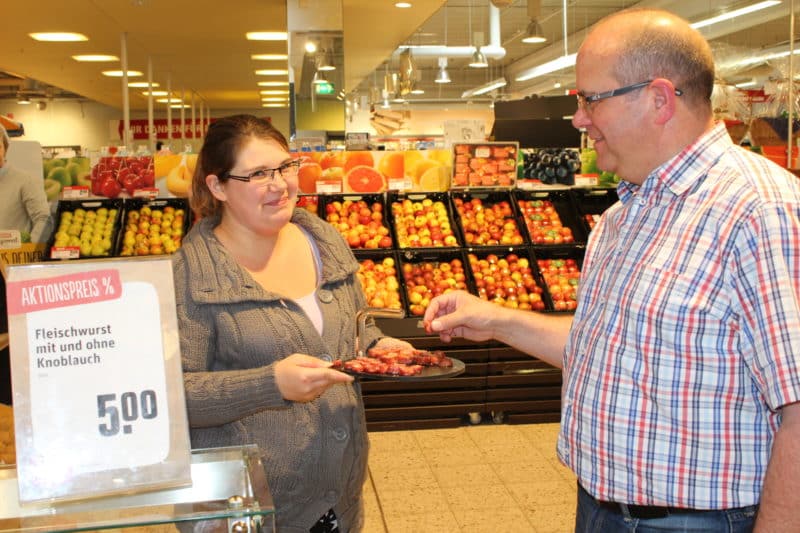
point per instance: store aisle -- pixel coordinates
(485, 478)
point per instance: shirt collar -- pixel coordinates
(683, 171)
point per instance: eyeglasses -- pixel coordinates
(266, 176)
(586, 102)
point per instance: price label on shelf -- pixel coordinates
(95, 372)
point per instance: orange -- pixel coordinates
(392, 165)
(308, 175)
(354, 159)
(332, 159)
(364, 179)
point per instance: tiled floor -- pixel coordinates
(484, 478)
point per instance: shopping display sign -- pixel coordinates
(98, 389)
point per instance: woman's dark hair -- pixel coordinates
(224, 139)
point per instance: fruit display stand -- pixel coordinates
(550, 217)
(85, 229)
(487, 218)
(422, 220)
(591, 203)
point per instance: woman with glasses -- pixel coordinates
(267, 297)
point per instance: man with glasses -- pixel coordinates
(681, 365)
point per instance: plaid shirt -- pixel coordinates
(686, 340)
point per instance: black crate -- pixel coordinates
(493, 232)
(402, 224)
(338, 205)
(135, 205)
(410, 259)
(503, 288)
(590, 203)
(564, 206)
(565, 301)
(378, 256)
(57, 249)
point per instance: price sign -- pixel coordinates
(98, 392)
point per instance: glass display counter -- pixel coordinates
(229, 493)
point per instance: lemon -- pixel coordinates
(435, 179)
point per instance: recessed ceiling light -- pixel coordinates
(118, 73)
(272, 72)
(59, 37)
(310, 47)
(142, 84)
(267, 36)
(273, 84)
(274, 105)
(273, 99)
(95, 57)
(274, 91)
(179, 106)
(402, 5)
(270, 57)
(169, 100)
(155, 93)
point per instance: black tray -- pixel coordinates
(394, 196)
(593, 202)
(564, 206)
(488, 199)
(428, 372)
(324, 200)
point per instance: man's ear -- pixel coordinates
(215, 186)
(664, 99)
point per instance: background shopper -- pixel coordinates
(266, 298)
(681, 366)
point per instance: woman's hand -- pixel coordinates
(302, 378)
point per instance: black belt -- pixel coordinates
(639, 511)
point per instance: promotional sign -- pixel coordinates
(98, 390)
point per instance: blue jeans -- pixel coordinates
(592, 518)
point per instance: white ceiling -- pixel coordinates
(199, 45)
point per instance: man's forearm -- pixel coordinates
(780, 498)
(537, 334)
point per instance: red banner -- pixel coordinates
(141, 128)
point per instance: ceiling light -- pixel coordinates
(273, 91)
(483, 89)
(142, 84)
(23, 99)
(155, 93)
(270, 57)
(273, 84)
(417, 91)
(478, 59)
(272, 72)
(534, 33)
(319, 78)
(274, 105)
(735, 13)
(95, 57)
(119, 73)
(59, 36)
(310, 47)
(402, 5)
(442, 76)
(180, 106)
(266, 36)
(169, 100)
(558, 63)
(744, 84)
(325, 61)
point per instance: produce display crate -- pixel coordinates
(423, 278)
(309, 202)
(408, 211)
(57, 248)
(487, 164)
(487, 218)
(498, 275)
(564, 259)
(361, 231)
(590, 203)
(372, 292)
(562, 204)
(150, 242)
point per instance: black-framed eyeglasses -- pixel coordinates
(265, 177)
(586, 102)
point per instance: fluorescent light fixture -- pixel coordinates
(274, 91)
(735, 13)
(274, 105)
(319, 78)
(417, 91)
(273, 84)
(119, 73)
(155, 93)
(483, 89)
(559, 63)
(96, 58)
(270, 57)
(169, 100)
(179, 106)
(266, 36)
(272, 72)
(478, 59)
(273, 99)
(402, 5)
(744, 84)
(23, 100)
(142, 84)
(534, 33)
(58, 37)
(325, 61)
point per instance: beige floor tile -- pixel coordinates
(397, 459)
(492, 436)
(465, 475)
(442, 438)
(387, 441)
(552, 518)
(373, 524)
(507, 519)
(442, 521)
(453, 456)
(474, 497)
(413, 500)
(533, 494)
(394, 479)
(526, 472)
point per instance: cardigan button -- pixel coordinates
(332, 496)
(340, 434)
(326, 357)
(325, 296)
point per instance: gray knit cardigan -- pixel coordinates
(232, 332)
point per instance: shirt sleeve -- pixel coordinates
(35, 201)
